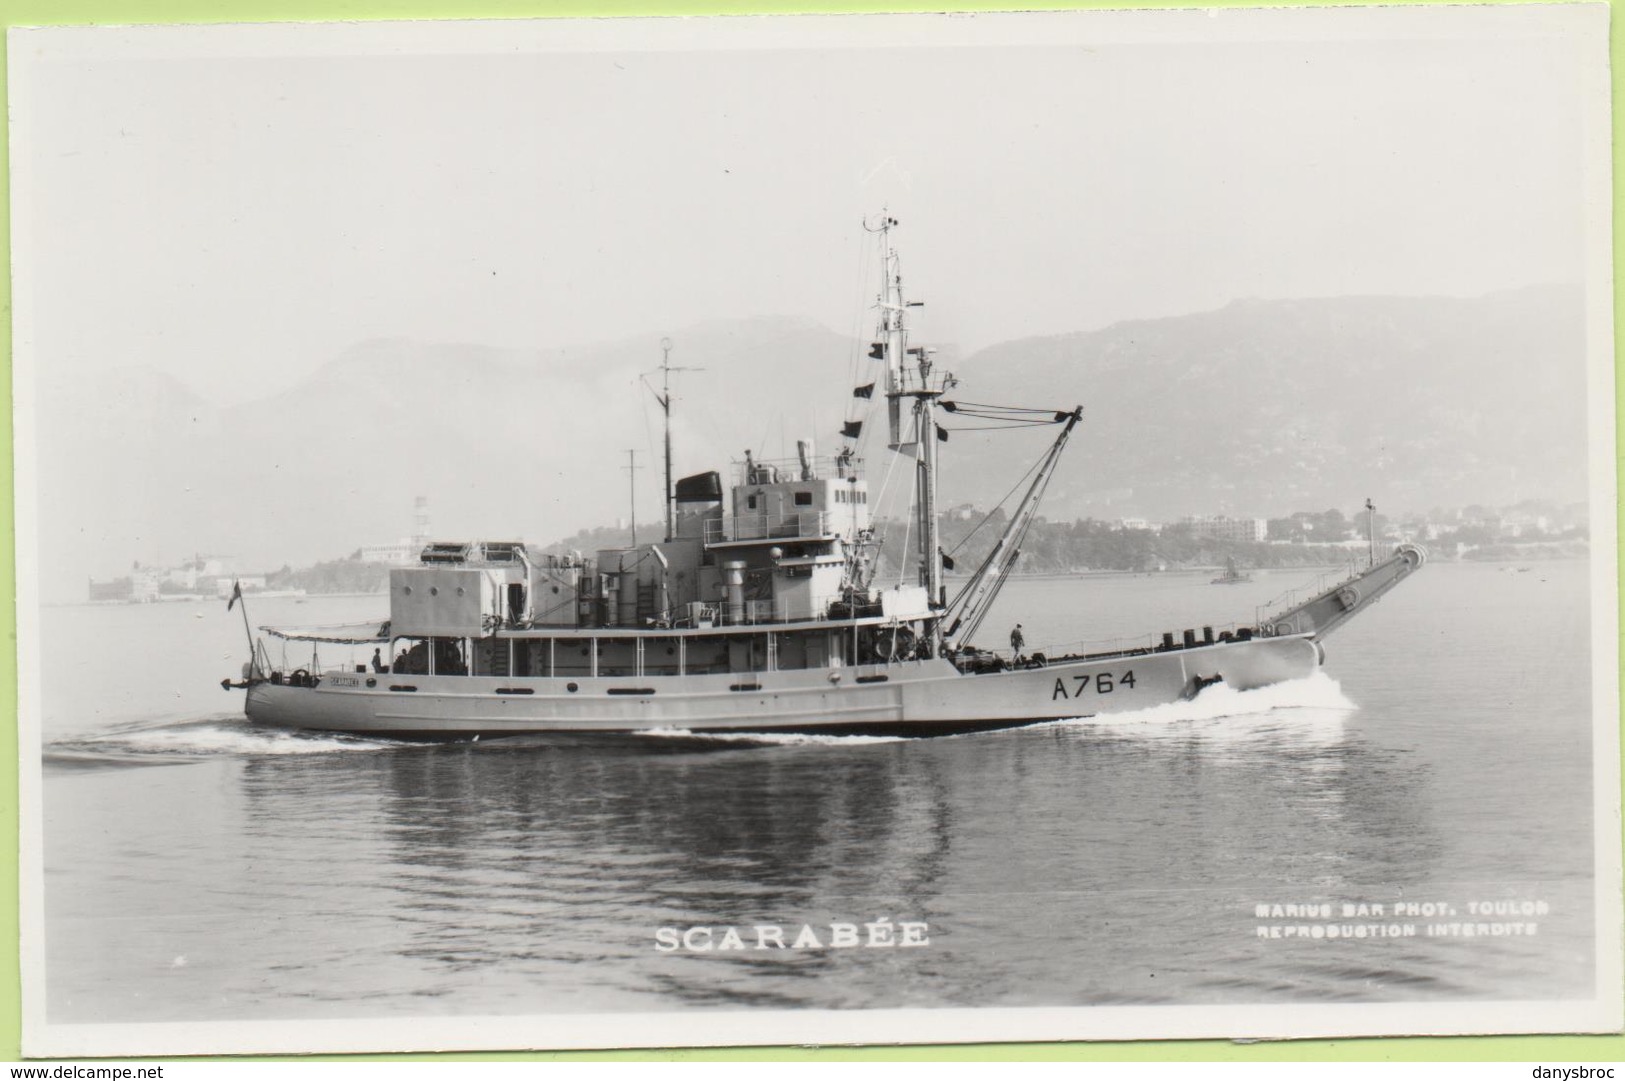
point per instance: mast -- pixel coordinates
(663, 396)
(632, 491)
(930, 539)
(916, 384)
(1371, 531)
(665, 405)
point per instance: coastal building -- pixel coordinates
(250, 583)
(1223, 528)
(140, 587)
(406, 550)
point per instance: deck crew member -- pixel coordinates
(1016, 642)
(377, 661)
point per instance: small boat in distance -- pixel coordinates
(759, 609)
(1231, 576)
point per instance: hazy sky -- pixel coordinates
(238, 205)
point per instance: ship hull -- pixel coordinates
(914, 698)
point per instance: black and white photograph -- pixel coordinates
(774, 530)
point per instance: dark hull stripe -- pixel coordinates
(912, 729)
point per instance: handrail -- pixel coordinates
(789, 470)
(793, 525)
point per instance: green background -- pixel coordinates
(1550, 1049)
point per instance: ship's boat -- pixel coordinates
(758, 610)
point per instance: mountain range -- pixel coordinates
(1256, 409)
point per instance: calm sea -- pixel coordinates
(198, 869)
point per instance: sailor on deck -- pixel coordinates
(1016, 642)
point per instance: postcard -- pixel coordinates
(824, 529)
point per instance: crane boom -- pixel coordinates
(971, 605)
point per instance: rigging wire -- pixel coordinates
(860, 310)
(908, 527)
(994, 427)
(649, 439)
(881, 530)
(1002, 501)
(958, 404)
(1017, 542)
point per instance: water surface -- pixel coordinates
(201, 869)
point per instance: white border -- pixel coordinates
(1603, 1013)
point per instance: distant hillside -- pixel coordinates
(1257, 409)
(1263, 407)
(504, 443)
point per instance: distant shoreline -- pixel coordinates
(1045, 576)
(1287, 570)
(186, 598)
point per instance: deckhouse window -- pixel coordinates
(530, 657)
(617, 657)
(661, 657)
(429, 656)
(571, 657)
(491, 656)
(750, 502)
(803, 499)
(707, 654)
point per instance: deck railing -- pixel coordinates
(1321, 583)
(793, 526)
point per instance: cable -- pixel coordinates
(1004, 499)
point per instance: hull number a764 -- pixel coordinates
(1103, 682)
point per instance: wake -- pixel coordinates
(171, 742)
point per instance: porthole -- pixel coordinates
(459, 591)
(555, 589)
(434, 591)
(407, 590)
(571, 687)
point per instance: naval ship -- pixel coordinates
(758, 610)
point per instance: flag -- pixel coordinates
(851, 428)
(942, 433)
(877, 350)
(865, 391)
(947, 560)
(236, 595)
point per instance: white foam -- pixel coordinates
(211, 737)
(1312, 709)
(1313, 706)
(1317, 692)
(786, 739)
